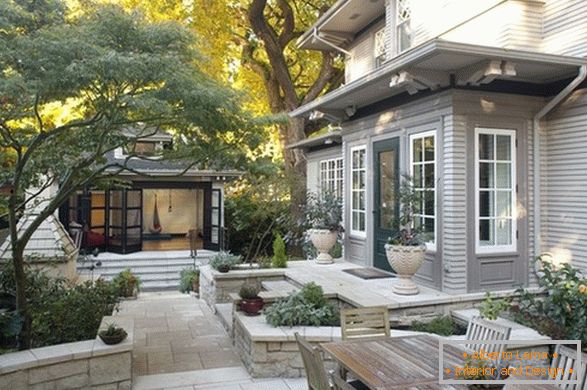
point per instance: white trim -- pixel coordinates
(398, 25)
(431, 246)
(497, 248)
(353, 232)
(382, 30)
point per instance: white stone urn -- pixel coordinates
(323, 240)
(405, 261)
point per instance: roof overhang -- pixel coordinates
(180, 174)
(332, 138)
(440, 64)
(339, 24)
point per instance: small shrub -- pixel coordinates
(336, 251)
(491, 309)
(224, 259)
(562, 312)
(249, 291)
(187, 277)
(279, 259)
(303, 308)
(127, 283)
(443, 326)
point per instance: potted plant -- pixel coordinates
(127, 283)
(323, 216)
(112, 334)
(189, 280)
(224, 261)
(405, 250)
(251, 302)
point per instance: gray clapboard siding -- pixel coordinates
(361, 60)
(455, 233)
(565, 181)
(565, 27)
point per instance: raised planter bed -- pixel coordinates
(79, 365)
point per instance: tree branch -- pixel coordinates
(327, 72)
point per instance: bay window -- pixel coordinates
(358, 190)
(495, 178)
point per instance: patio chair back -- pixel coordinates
(339, 383)
(567, 358)
(364, 322)
(76, 232)
(313, 364)
(481, 329)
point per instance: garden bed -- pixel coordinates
(78, 365)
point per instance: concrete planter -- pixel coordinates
(323, 240)
(405, 261)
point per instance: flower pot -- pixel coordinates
(196, 286)
(323, 240)
(113, 339)
(252, 307)
(405, 261)
(224, 268)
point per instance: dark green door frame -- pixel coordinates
(385, 202)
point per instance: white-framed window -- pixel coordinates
(403, 25)
(379, 49)
(495, 184)
(331, 172)
(424, 175)
(358, 190)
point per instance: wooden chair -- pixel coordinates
(364, 322)
(566, 359)
(481, 329)
(316, 372)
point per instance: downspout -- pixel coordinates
(332, 45)
(536, 127)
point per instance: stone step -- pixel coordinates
(150, 270)
(224, 313)
(283, 287)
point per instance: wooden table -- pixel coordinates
(396, 363)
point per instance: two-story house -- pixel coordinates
(484, 104)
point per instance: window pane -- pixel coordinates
(504, 147)
(486, 175)
(405, 36)
(417, 145)
(486, 203)
(356, 184)
(362, 222)
(504, 204)
(429, 202)
(429, 228)
(429, 149)
(361, 205)
(486, 146)
(429, 176)
(361, 158)
(504, 232)
(362, 176)
(214, 237)
(355, 223)
(418, 177)
(486, 234)
(133, 199)
(356, 195)
(355, 159)
(504, 175)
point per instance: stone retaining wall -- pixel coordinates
(87, 364)
(216, 287)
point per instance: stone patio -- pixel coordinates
(180, 344)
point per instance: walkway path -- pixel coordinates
(179, 343)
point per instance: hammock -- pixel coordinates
(155, 228)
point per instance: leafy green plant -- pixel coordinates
(307, 307)
(224, 260)
(279, 259)
(187, 278)
(323, 211)
(562, 312)
(443, 326)
(112, 334)
(249, 291)
(127, 283)
(411, 202)
(112, 330)
(491, 308)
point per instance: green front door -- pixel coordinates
(385, 204)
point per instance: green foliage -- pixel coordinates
(492, 308)
(249, 291)
(62, 313)
(562, 312)
(112, 330)
(279, 259)
(308, 307)
(127, 283)
(187, 277)
(336, 251)
(443, 326)
(224, 259)
(10, 323)
(323, 211)
(411, 203)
